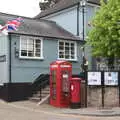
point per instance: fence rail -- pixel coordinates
(105, 68)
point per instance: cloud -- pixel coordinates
(28, 8)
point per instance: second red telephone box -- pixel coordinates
(60, 76)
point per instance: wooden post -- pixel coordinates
(119, 85)
(103, 87)
(85, 74)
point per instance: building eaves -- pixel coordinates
(43, 28)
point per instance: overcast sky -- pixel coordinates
(28, 8)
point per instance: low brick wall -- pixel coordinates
(94, 96)
(15, 91)
(82, 94)
(111, 97)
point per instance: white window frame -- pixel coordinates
(33, 57)
(75, 50)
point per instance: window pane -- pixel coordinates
(30, 47)
(61, 54)
(23, 47)
(61, 50)
(72, 44)
(72, 52)
(30, 53)
(23, 52)
(61, 43)
(72, 57)
(66, 44)
(37, 53)
(72, 48)
(37, 48)
(66, 50)
(66, 56)
(23, 44)
(37, 43)
(61, 47)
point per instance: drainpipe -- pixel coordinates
(78, 9)
(9, 38)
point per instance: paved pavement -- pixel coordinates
(26, 110)
(100, 112)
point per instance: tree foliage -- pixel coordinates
(104, 36)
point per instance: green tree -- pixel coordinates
(104, 37)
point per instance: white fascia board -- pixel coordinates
(93, 5)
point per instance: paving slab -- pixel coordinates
(100, 112)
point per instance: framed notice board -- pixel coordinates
(94, 78)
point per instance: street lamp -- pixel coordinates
(83, 4)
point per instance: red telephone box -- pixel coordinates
(60, 76)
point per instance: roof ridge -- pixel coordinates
(9, 14)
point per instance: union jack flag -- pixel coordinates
(14, 24)
(11, 25)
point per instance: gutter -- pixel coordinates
(46, 36)
(93, 3)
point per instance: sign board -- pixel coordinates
(111, 78)
(94, 78)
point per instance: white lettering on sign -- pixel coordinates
(54, 66)
(65, 75)
(64, 66)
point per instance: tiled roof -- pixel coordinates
(43, 28)
(63, 4)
